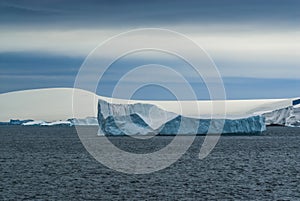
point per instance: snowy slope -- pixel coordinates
(46, 104)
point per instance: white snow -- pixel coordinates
(33, 123)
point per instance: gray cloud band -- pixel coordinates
(99, 61)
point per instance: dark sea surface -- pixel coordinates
(50, 163)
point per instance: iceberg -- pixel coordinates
(89, 121)
(148, 119)
(289, 116)
(18, 122)
(43, 123)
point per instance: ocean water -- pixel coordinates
(50, 163)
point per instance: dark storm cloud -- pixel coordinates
(94, 13)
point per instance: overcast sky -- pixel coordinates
(254, 44)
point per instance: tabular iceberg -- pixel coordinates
(143, 119)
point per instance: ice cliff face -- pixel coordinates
(120, 119)
(289, 116)
(143, 119)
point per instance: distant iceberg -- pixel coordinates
(19, 122)
(89, 121)
(43, 123)
(15, 122)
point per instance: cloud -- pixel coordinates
(257, 39)
(93, 13)
(222, 43)
(270, 53)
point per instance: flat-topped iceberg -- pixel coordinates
(143, 119)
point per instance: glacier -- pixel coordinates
(148, 119)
